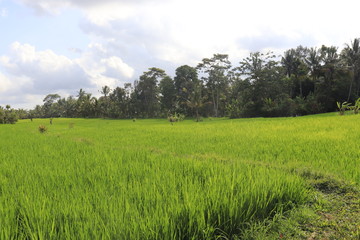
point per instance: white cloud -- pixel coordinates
(5, 83)
(128, 36)
(3, 12)
(116, 67)
(183, 31)
(46, 70)
(34, 72)
(103, 68)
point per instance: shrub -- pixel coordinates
(12, 118)
(176, 117)
(233, 109)
(312, 105)
(42, 129)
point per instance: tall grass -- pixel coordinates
(118, 179)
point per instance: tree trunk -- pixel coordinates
(300, 84)
(357, 85)
(214, 103)
(350, 88)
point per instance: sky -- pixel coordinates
(60, 46)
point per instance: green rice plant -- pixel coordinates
(113, 179)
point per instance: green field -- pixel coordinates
(119, 179)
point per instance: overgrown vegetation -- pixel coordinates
(214, 179)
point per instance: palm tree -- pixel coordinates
(81, 93)
(105, 90)
(291, 62)
(312, 60)
(196, 100)
(352, 55)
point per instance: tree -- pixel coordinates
(303, 81)
(351, 54)
(297, 70)
(147, 92)
(196, 99)
(167, 94)
(291, 63)
(86, 105)
(67, 106)
(81, 94)
(312, 60)
(50, 108)
(119, 102)
(185, 79)
(266, 77)
(104, 101)
(105, 90)
(216, 79)
(8, 115)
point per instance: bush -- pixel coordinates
(42, 129)
(312, 105)
(12, 118)
(176, 117)
(283, 106)
(233, 109)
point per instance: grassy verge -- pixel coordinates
(333, 212)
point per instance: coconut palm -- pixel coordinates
(352, 56)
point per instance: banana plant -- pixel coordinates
(356, 106)
(342, 107)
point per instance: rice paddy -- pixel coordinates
(148, 179)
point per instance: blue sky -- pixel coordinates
(60, 46)
(57, 32)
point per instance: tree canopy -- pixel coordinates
(301, 81)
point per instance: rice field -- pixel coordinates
(148, 179)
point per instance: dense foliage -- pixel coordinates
(8, 115)
(302, 81)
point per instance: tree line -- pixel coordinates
(301, 81)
